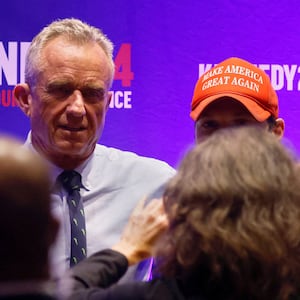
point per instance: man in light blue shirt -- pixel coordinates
(69, 71)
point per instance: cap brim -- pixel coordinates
(256, 111)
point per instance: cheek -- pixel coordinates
(96, 114)
(38, 113)
(42, 126)
(45, 114)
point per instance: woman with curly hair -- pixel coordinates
(234, 229)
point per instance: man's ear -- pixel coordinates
(278, 129)
(23, 97)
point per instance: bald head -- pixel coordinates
(27, 228)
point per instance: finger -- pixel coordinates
(154, 203)
(156, 206)
(140, 205)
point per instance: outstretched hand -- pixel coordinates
(145, 226)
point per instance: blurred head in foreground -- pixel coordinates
(27, 228)
(234, 211)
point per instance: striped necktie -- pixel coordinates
(71, 181)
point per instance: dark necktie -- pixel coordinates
(71, 181)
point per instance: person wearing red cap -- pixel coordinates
(234, 92)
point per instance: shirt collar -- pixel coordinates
(55, 170)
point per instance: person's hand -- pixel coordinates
(145, 226)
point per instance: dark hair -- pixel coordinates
(271, 122)
(234, 210)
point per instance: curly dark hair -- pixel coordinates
(234, 211)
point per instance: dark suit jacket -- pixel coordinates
(27, 297)
(95, 274)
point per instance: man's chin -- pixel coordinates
(72, 149)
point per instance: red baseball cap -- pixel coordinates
(240, 80)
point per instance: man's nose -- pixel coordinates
(76, 104)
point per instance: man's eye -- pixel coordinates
(93, 94)
(209, 125)
(60, 92)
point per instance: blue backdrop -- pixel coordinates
(161, 48)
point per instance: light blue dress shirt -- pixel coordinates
(116, 180)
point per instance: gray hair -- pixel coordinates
(74, 30)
